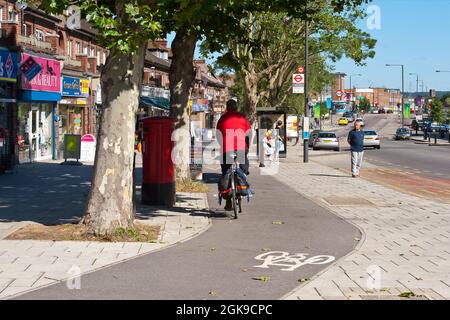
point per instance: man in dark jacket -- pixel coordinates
(356, 141)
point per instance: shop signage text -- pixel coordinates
(75, 87)
(8, 66)
(48, 79)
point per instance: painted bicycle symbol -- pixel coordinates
(290, 262)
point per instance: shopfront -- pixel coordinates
(8, 79)
(36, 111)
(73, 110)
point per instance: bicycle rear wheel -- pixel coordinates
(234, 196)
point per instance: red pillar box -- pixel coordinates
(158, 182)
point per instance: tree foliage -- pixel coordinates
(437, 110)
(272, 47)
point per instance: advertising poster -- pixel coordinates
(292, 126)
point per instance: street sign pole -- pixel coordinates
(306, 137)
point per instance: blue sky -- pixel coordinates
(415, 33)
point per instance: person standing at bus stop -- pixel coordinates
(356, 141)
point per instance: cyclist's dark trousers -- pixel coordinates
(227, 161)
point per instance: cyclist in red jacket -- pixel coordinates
(233, 131)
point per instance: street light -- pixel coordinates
(351, 88)
(403, 87)
(417, 82)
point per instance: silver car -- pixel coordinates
(326, 140)
(371, 139)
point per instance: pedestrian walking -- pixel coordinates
(356, 141)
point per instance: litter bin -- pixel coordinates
(158, 182)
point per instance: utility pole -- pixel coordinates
(403, 88)
(306, 111)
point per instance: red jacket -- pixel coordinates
(233, 128)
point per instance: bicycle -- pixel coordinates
(236, 199)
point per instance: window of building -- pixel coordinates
(92, 54)
(69, 48)
(39, 35)
(1, 13)
(98, 57)
(12, 14)
(85, 49)
(104, 57)
(78, 48)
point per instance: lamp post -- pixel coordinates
(403, 87)
(306, 111)
(351, 88)
(417, 81)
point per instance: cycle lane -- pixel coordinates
(221, 263)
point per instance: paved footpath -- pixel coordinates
(405, 243)
(43, 193)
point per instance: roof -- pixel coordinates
(152, 60)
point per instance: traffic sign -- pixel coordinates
(339, 93)
(298, 78)
(298, 88)
(301, 69)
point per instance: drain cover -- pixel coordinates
(342, 201)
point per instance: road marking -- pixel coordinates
(290, 262)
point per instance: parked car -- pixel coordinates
(390, 111)
(381, 111)
(343, 121)
(371, 139)
(326, 140)
(350, 116)
(361, 121)
(313, 135)
(403, 134)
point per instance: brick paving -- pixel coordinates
(404, 243)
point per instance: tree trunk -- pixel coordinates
(251, 97)
(110, 203)
(181, 78)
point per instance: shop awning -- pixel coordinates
(155, 102)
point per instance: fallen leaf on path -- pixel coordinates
(278, 222)
(263, 278)
(303, 280)
(407, 294)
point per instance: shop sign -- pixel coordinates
(72, 146)
(47, 79)
(200, 105)
(88, 145)
(8, 66)
(75, 87)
